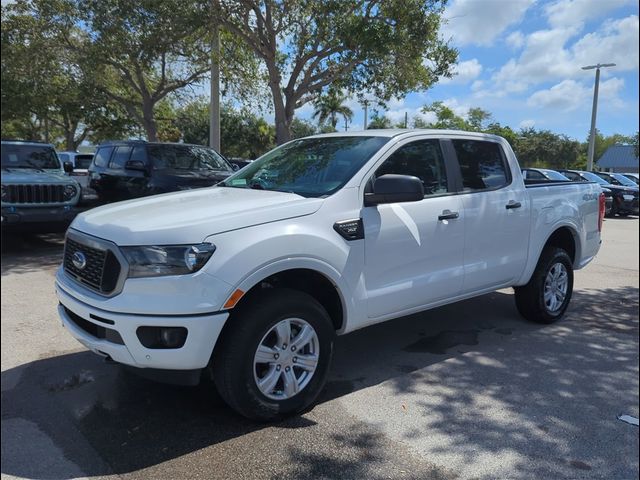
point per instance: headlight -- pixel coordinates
(5, 192)
(157, 261)
(69, 192)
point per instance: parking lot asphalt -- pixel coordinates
(469, 391)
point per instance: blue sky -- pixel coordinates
(521, 59)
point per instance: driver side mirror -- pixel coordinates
(392, 188)
(68, 167)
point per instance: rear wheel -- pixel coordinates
(547, 295)
(274, 358)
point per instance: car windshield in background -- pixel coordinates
(186, 157)
(624, 180)
(553, 175)
(592, 177)
(311, 167)
(29, 156)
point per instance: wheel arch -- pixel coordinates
(311, 276)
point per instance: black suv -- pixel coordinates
(132, 169)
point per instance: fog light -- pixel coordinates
(162, 337)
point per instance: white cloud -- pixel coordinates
(474, 22)
(548, 57)
(527, 123)
(515, 39)
(570, 95)
(564, 13)
(464, 72)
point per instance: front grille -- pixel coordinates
(35, 193)
(94, 330)
(101, 271)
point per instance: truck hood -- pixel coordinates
(17, 176)
(190, 216)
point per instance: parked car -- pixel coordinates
(37, 195)
(543, 174)
(634, 177)
(617, 179)
(132, 169)
(624, 200)
(81, 163)
(251, 280)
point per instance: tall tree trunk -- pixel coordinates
(281, 106)
(149, 121)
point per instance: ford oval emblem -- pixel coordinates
(79, 260)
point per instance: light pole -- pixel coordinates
(592, 134)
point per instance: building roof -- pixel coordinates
(619, 156)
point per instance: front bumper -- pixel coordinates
(117, 338)
(41, 218)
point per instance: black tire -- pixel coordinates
(530, 297)
(232, 361)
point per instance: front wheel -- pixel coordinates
(546, 297)
(274, 357)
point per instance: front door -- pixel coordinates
(414, 250)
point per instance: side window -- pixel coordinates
(533, 175)
(139, 154)
(120, 157)
(574, 177)
(422, 159)
(102, 157)
(482, 164)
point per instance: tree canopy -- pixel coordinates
(385, 47)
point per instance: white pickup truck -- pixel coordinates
(251, 280)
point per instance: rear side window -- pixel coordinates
(482, 164)
(102, 156)
(533, 175)
(120, 157)
(422, 159)
(574, 177)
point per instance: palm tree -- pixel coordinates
(329, 106)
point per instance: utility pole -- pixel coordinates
(594, 110)
(214, 109)
(366, 105)
(405, 119)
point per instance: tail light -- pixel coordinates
(602, 205)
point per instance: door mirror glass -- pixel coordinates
(68, 167)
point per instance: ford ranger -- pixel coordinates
(249, 281)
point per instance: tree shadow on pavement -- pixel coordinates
(445, 366)
(29, 253)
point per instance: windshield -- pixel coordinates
(624, 180)
(592, 177)
(553, 175)
(311, 167)
(186, 157)
(29, 156)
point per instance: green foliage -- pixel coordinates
(45, 95)
(302, 128)
(384, 47)
(377, 122)
(329, 106)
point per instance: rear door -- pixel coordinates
(117, 173)
(497, 216)
(413, 252)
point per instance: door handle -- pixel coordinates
(512, 204)
(448, 215)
